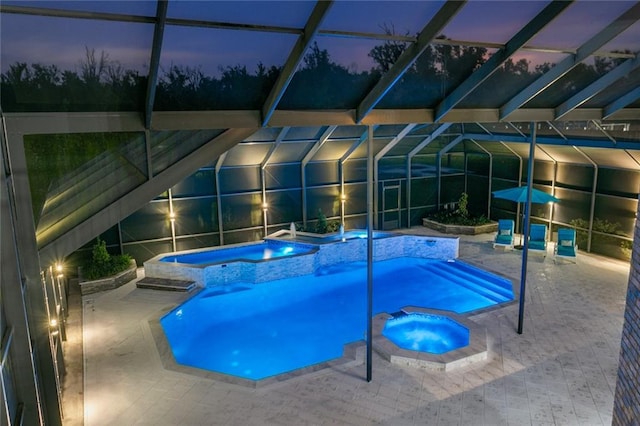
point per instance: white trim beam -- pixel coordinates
(623, 22)
(597, 86)
(621, 102)
(295, 57)
(408, 57)
(529, 31)
(154, 63)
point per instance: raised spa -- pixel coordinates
(432, 339)
(435, 334)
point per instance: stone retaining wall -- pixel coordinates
(109, 283)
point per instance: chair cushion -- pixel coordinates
(505, 232)
(566, 243)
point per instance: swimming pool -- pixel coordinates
(256, 331)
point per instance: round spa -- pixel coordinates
(435, 334)
(429, 339)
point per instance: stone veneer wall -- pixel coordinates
(351, 250)
(626, 407)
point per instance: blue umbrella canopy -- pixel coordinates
(519, 195)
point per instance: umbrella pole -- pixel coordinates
(527, 214)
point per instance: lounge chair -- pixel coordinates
(538, 238)
(566, 247)
(504, 236)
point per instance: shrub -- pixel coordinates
(460, 216)
(102, 264)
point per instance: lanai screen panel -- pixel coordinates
(46, 66)
(212, 69)
(578, 23)
(334, 73)
(258, 13)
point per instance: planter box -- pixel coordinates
(109, 283)
(460, 229)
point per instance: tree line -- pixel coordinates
(102, 84)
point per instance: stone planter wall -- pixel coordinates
(460, 229)
(109, 283)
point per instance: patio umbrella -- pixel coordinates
(519, 195)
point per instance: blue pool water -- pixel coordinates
(434, 334)
(332, 238)
(252, 252)
(255, 331)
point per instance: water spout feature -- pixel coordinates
(292, 230)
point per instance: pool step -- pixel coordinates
(449, 274)
(165, 284)
(469, 272)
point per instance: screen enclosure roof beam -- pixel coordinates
(154, 63)
(623, 22)
(295, 57)
(408, 57)
(597, 86)
(529, 31)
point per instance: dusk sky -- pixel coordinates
(32, 39)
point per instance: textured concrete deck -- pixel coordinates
(561, 370)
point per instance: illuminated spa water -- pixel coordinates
(435, 334)
(255, 331)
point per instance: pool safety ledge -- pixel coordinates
(475, 351)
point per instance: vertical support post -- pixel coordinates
(369, 253)
(264, 217)
(527, 214)
(264, 200)
(438, 177)
(593, 195)
(553, 192)
(490, 176)
(408, 191)
(219, 198)
(172, 219)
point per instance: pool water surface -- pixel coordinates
(252, 252)
(255, 331)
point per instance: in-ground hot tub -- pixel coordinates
(435, 334)
(429, 338)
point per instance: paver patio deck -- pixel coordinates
(560, 371)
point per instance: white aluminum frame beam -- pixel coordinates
(154, 63)
(621, 102)
(597, 86)
(376, 159)
(623, 22)
(303, 164)
(295, 57)
(529, 31)
(408, 57)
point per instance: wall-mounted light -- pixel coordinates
(265, 206)
(172, 216)
(343, 197)
(59, 268)
(53, 327)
